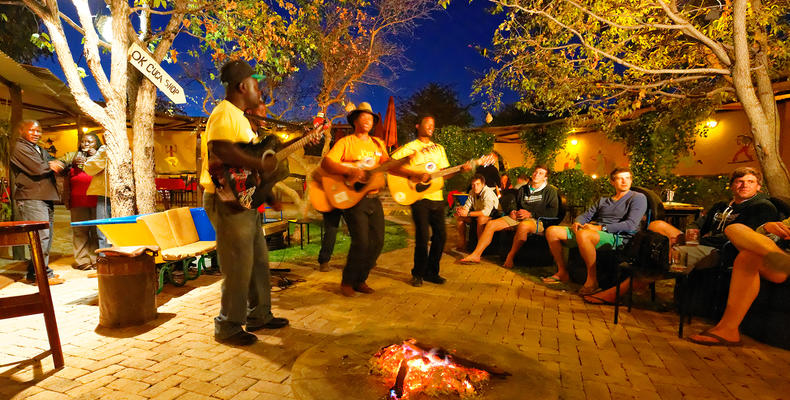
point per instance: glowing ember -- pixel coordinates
(412, 370)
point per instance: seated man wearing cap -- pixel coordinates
(350, 157)
(241, 246)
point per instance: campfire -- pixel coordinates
(413, 367)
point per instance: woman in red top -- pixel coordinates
(82, 206)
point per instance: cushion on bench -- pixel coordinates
(182, 226)
(189, 250)
(159, 226)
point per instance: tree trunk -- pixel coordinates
(119, 165)
(764, 125)
(119, 156)
(143, 148)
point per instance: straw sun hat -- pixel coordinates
(363, 107)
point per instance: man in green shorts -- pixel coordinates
(619, 214)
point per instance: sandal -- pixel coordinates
(468, 262)
(552, 280)
(587, 291)
(718, 340)
(598, 301)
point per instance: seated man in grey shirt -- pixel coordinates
(619, 214)
(481, 204)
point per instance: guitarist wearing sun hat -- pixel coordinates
(241, 246)
(350, 157)
(429, 212)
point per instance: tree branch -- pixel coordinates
(691, 31)
(80, 30)
(48, 15)
(92, 49)
(586, 44)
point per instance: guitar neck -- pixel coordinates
(388, 165)
(446, 171)
(288, 150)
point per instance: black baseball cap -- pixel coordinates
(234, 72)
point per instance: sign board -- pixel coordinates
(144, 62)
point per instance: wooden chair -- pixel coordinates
(26, 233)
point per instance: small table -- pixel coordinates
(677, 213)
(301, 223)
(26, 233)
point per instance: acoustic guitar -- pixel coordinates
(406, 192)
(330, 191)
(243, 188)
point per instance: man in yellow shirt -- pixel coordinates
(429, 212)
(241, 246)
(351, 156)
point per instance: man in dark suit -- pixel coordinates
(34, 188)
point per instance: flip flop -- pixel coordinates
(585, 291)
(593, 299)
(719, 341)
(552, 280)
(468, 262)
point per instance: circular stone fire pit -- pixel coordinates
(339, 368)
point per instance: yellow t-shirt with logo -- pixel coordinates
(366, 153)
(425, 154)
(226, 122)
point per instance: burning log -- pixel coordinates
(396, 392)
(416, 367)
(442, 353)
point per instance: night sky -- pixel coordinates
(441, 50)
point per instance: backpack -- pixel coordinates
(648, 253)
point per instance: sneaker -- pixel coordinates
(416, 281)
(275, 323)
(347, 290)
(364, 288)
(240, 338)
(323, 267)
(436, 279)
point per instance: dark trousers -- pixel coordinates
(331, 223)
(429, 221)
(366, 226)
(39, 210)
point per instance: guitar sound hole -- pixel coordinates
(421, 187)
(358, 186)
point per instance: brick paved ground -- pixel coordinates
(176, 356)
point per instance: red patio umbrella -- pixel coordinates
(390, 125)
(378, 130)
